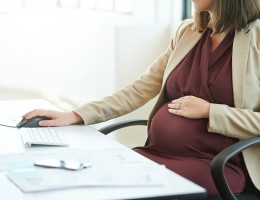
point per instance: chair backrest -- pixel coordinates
(250, 188)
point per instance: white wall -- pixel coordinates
(80, 57)
(138, 46)
(57, 53)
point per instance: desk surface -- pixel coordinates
(84, 137)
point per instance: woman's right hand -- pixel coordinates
(57, 118)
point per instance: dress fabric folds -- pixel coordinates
(184, 145)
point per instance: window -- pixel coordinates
(187, 9)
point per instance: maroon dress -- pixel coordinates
(184, 145)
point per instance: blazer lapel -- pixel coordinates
(239, 61)
(189, 39)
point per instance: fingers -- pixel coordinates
(26, 114)
(176, 112)
(56, 118)
(190, 107)
(38, 112)
(175, 106)
(175, 101)
(48, 123)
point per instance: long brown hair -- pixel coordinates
(234, 14)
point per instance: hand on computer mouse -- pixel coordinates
(31, 123)
(56, 118)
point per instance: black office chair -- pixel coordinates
(217, 165)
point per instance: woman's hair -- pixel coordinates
(225, 14)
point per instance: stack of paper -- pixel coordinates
(109, 167)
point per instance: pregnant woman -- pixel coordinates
(207, 83)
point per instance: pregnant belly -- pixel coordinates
(177, 135)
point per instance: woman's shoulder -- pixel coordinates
(253, 26)
(186, 25)
(256, 23)
(255, 30)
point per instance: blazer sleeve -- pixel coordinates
(243, 120)
(233, 122)
(134, 95)
(129, 98)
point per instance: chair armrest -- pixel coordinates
(219, 161)
(118, 125)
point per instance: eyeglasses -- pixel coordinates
(62, 164)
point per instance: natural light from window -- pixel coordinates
(81, 49)
(122, 6)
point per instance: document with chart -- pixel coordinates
(109, 167)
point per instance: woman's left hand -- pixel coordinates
(190, 107)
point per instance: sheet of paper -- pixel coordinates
(32, 180)
(109, 167)
(10, 120)
(15, 164)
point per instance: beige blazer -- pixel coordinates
(242, 121)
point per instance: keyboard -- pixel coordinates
(42, 136)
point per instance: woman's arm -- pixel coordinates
(233, 122)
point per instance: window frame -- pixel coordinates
(187, 9)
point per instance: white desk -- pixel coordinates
(83, 137)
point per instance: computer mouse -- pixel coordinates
(30, 123)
